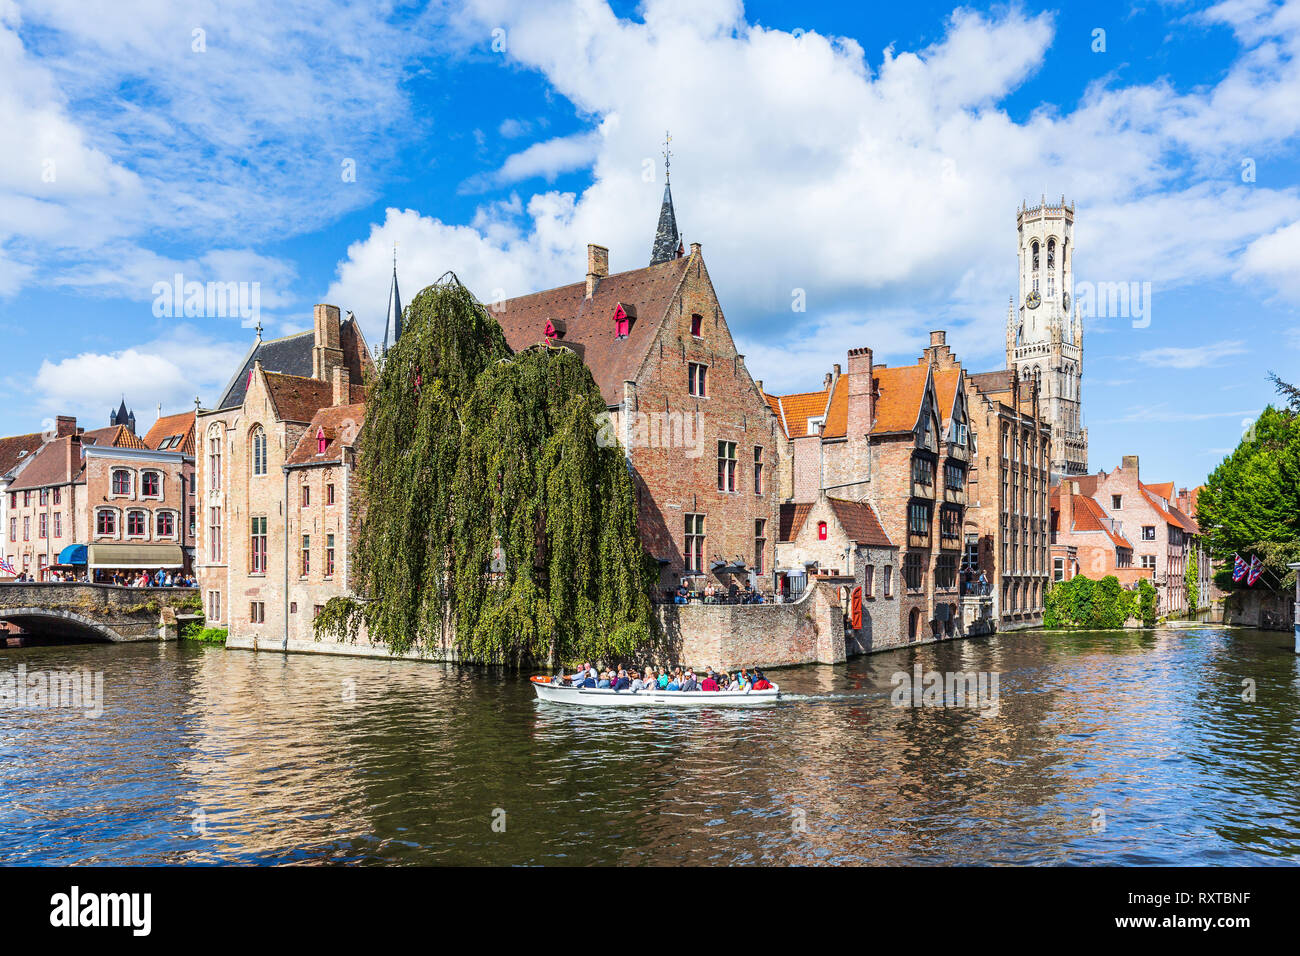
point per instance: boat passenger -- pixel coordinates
(760, 682)
(732, 683)
(691, 683)
(709, 683)
(663, 680)
(621, 681)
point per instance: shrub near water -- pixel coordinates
(1098, 605)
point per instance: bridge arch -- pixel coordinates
(62, 622)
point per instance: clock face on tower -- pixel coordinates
(1032, 300)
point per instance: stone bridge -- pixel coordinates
(98, 612)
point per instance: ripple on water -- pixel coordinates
(1108, 748)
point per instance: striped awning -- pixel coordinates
(135, 556)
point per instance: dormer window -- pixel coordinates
(697, 326)
(622, 324)
(321, 440)
(554, 329)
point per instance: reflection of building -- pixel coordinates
(1006, 516)
(259, 529)
(1044, 343)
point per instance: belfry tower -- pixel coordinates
(1044, 340)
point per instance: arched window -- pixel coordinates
(1034, 248)
(121, 481)
(257, 450)
(214, 457)
(1051, 267)
(697, 325)
(913, 623)
(320, 441)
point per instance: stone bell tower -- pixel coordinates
(1044, 339)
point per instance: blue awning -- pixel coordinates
(72, 554)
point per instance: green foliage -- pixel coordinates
(1147, 603)
(1095, 605)
(1191, 579)
(1251, 502)
(206, 635)
(467, 447)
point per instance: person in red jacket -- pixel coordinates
(709, 683)
(760, 682)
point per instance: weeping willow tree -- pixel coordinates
(489, 507)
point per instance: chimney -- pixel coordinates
(759, 385)
(826, 382)
(74, 456)
(937, 352)
(597, 267)
(1130, 463)
(1066, 504)
(938, 337)
(326, 352)
(65, 425)
(861, 411)
(342, 385)
(695, 249)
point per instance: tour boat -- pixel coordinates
(604, 697)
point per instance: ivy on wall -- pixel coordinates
(1098, 605)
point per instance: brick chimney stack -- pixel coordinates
(74, 456)
(326, 353)
(342, 385)
(65, 425)
(862, 410)
(1130, 463)
(938, 353)
(597, 267)
(1066, 505)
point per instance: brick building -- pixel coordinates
(1160, 533)
(899, 440)
(15, 452)
(252, 514)
(699, 437)
(1007, 535)
(52, 499)
(838, 538)
(1086, 540)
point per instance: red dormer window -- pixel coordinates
(622, 324)
(549, 331)
(320, 441)
(697, 326)
(821, 530)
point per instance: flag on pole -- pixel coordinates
(1238, 568)
(7, 568)
(1256, 569)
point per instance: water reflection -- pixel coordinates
(207, 756)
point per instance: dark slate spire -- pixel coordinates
(393, 320)
(668, 240)
(122, 416)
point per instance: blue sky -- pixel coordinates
(871, 155)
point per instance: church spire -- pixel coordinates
(393, 318)
(668, 242)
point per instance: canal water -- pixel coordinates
(1106, 748)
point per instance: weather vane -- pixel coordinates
(667, 154)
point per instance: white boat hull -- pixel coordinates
(603, 697)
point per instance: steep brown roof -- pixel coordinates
(589, 323)
(177, 431)
(16, 449)
(900, 391)
(837, 412)
(1165, 489)
(860, 522)
(297, 399)
(1160, 509)
(339, 424)
(50, 464)
(1089, 516)
(792, 518)
(991, 382)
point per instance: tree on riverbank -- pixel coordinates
(1250, 504)
(488, 507)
